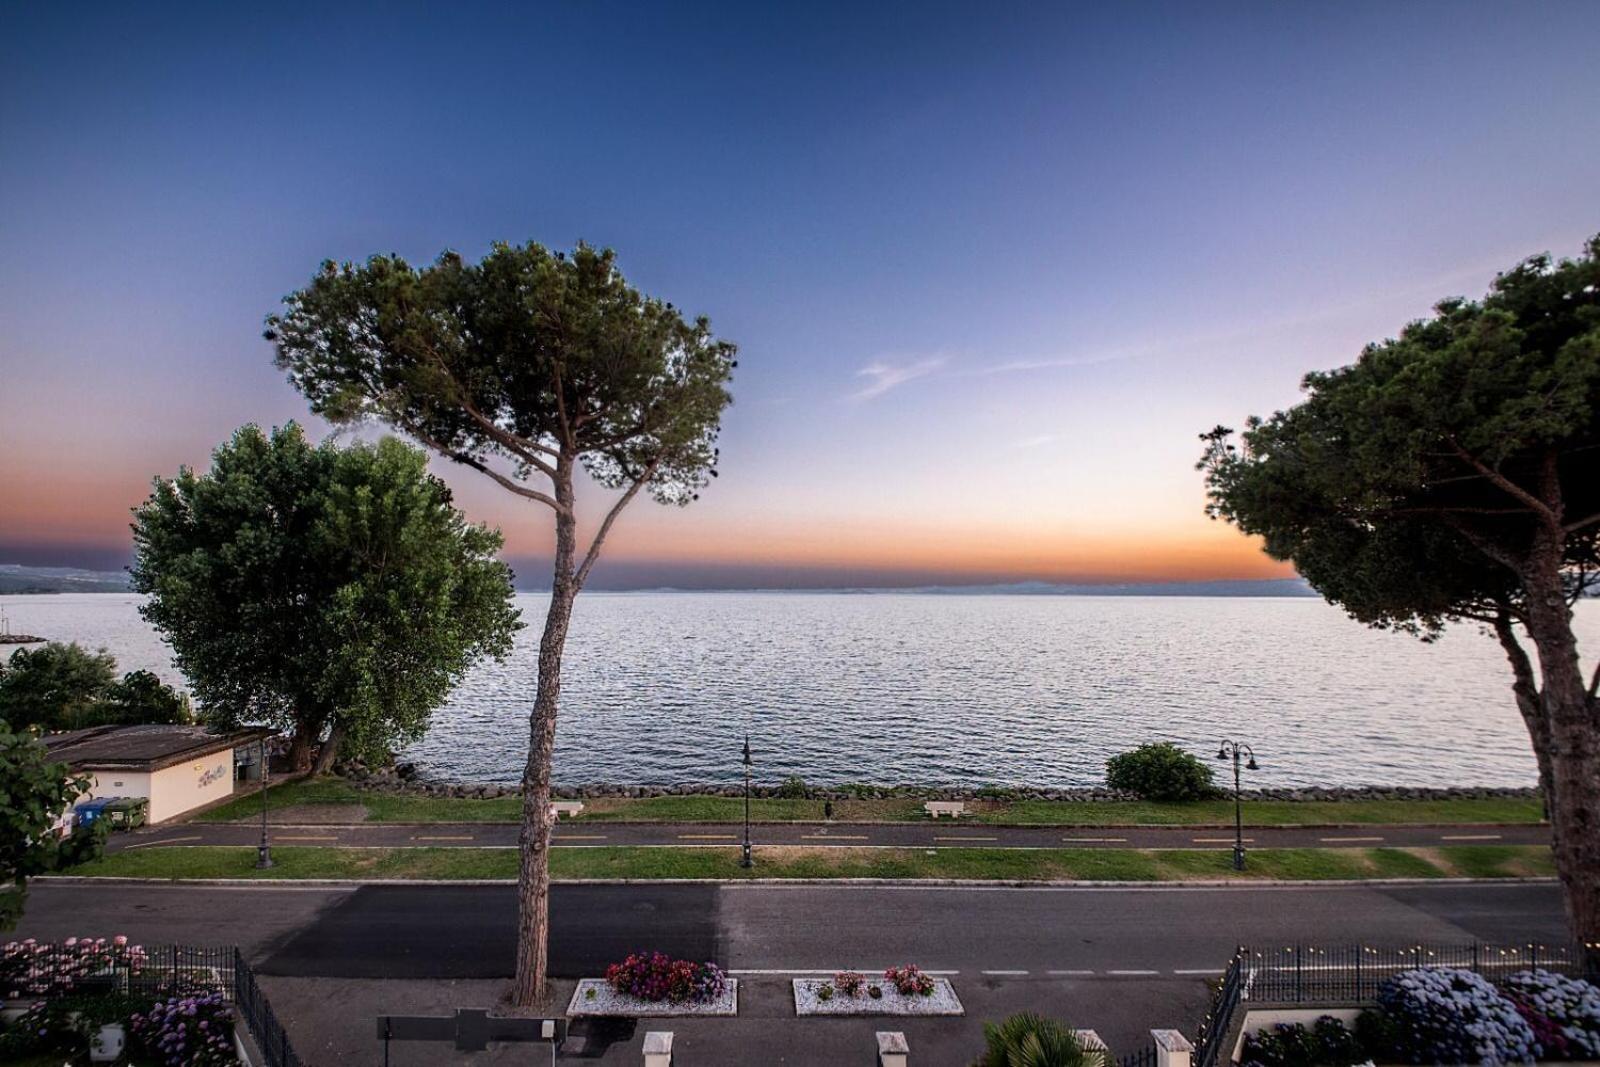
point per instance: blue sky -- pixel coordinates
(991, 268)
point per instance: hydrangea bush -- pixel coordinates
(1327, 1043)
(1444, 1015)
(30, 968)
(194, 1031)
(1564, 1012)
(655, 976)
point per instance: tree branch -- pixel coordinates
(1488, 548)
(593, 554)
(469, 460)
(1542, 509)
(1574, 527)
(522, 447)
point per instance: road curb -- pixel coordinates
(1175, 827)
(879, 883)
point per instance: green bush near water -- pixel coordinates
(1161, 771)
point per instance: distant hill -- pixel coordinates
(16, 578)
(1251, 587)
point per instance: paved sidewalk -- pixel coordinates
(942, 834)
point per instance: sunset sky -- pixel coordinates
(992, 268)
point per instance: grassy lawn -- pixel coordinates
(1308, 864)
(387, 807)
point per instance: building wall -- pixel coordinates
(172, 790)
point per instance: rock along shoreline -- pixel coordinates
(404, 779)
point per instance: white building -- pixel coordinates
(178, 768)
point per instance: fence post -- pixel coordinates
(1298, 976)
(1533, 952)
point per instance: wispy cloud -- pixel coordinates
(882, 377)
(1036, 441)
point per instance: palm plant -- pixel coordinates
(1029, 1040)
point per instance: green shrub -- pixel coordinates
(1029, 1040)
(794, 788)
(1161, 771)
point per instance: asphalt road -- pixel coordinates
(942, 834)
(455, 931)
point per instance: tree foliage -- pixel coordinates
(319, 588)
(33, 793)
(1453, 473)
(1161, 771)
(66, 687)
(526, 366)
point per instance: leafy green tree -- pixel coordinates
(33, 793)
(319, 589)
(1453, 473)
(1161, 771)
(141, 697)
(527, 366)
(1030, 1040)
(54, 686)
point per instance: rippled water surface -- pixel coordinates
(660, 688)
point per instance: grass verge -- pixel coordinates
(389, 807)
(1299, 864)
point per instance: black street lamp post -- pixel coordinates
(746, 860)
(1234, 750)
(264, 850)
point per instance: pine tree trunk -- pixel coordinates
(1574, 749)
(533, 877)
(329, 750)
(305, 735)
(1526, 689)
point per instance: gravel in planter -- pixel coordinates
(608, 1002)
(942, 1001)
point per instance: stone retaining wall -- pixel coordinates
(404, 779)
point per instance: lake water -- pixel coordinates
(661, 687)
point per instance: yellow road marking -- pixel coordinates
(165, 841)
(834, 837)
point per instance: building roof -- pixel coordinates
(148, 747)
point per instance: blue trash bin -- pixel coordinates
(90, 810)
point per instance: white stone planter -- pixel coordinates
(594, 997)
(942, 1001)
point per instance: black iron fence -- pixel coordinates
(1296, 974)
(1145, 1057)
(31, 970)
(252, 1005)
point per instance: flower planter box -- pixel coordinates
(606, 1001)
(942, 1001)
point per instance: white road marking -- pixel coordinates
(1220, 840)
(708, 837)
(1097, 840)
(869, 971)
(1202, 970)
(1469, 837)
(577, 837)
(1005, 974)
(442, 837)
(938, 838)
(303, 837)
(1349, 839)
(1132, 973)
(1073, 974)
